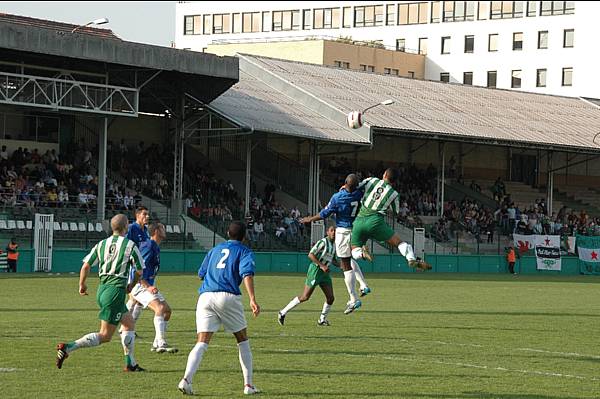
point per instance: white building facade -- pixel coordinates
(536, 46)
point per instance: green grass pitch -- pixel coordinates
(416, 336)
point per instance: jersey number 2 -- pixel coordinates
(354, 208)
(225, 253)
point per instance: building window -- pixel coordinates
(484, 10)
(445, 77)
(347, 23)
(207, 24)
(491, 79)
(468, 78)
(412, 13)
(446, 45)
(515, 82)
(390, 15)
(221, 23)
(493, 42)
(540, 79)
(568, 37)
(368, 16)
(237, 23)
(326, 18)
(422, 45)
(411, 74)
(400, 44)
(367, 68)
(286, 20)
(341, 64)
(567, 76)
(250, 22)
(387, 71)
(469, 44)
(395, 72)
(506, 9)
(455, 11)
(192, 25)
(435, 12)
(532, 8)
(557, 8)
(305, 19)
(518, 41)
(542, 39)
(265, 21)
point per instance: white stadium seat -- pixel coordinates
(11, 224)
(29, 225)
(73, 226)
(169, 229)
(81, 226)
(90, 227)
(64, 226)
(56, 226)
(20, 225)
(99, 227)
(176, 229)
(3, 225)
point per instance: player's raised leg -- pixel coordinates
(344, 253)
(360, 278)
(406, 250)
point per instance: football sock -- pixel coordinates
(160, 326)
(87, 341)
(136, 311)
(246, 361)
(130, 303)
(128, 342)
(357, 253)
(194, 359)
(325, 311)
(350, 280)
(406, 251)
(293, 303)
(359, 274)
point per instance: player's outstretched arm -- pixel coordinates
(83, 275)
(310, 219)
(249, 285)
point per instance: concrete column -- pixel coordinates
(248, 174)
(101, 200)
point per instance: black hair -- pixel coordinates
(236, 230)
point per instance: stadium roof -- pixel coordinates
(425, 109)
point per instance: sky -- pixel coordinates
(151, 22)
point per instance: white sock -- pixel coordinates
(325, 311)
(194, 359)
(246, 361)
(160, 327)
(136, 311)
(406, 251)
(357, 253)
(359, 274)
(293, 303)
(128, 342)
(350, 280)
(130, 303)
(87, 341)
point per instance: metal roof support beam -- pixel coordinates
(177, 200)
(313, 179)
(441, 177)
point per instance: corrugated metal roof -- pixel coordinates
(255, 104)
(57, 26)
(452, 110)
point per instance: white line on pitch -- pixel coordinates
(573, 354)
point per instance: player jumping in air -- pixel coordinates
(370, 224)
(344, 205)
(321, 256)
(224, 268)
(114, 256)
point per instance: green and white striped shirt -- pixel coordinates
(379, 197)
(114, 256)
(324, 250)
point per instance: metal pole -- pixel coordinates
(550, 185)
(248, 174)
(443, 179)
(101, 199)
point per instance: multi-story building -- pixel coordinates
(538, 46)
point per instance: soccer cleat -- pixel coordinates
(61, 354)
(185, 387)
(132, 369)
(419, 264)
(164, 348)
(250, 390)
(323, 322)
(366, 254)
(365, 291)
(352, 307)
(281, 318)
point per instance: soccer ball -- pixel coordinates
(354, 119)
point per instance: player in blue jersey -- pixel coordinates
(344, 206)
(138, 233)
(147, 295)
(224, 268)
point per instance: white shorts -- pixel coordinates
(145, 297)
(343, 249)
(220, 308)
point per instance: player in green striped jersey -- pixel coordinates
(114, 257)
(321, 255)
(379, 197)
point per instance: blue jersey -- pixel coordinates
(345, 207)
(225, 266)
(137, 234)
(151, 253)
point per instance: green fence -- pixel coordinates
(69, 260)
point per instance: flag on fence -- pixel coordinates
(547, 252)
(524, 243)
(588, 249)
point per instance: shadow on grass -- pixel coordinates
(327, 373)
(397, 394)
